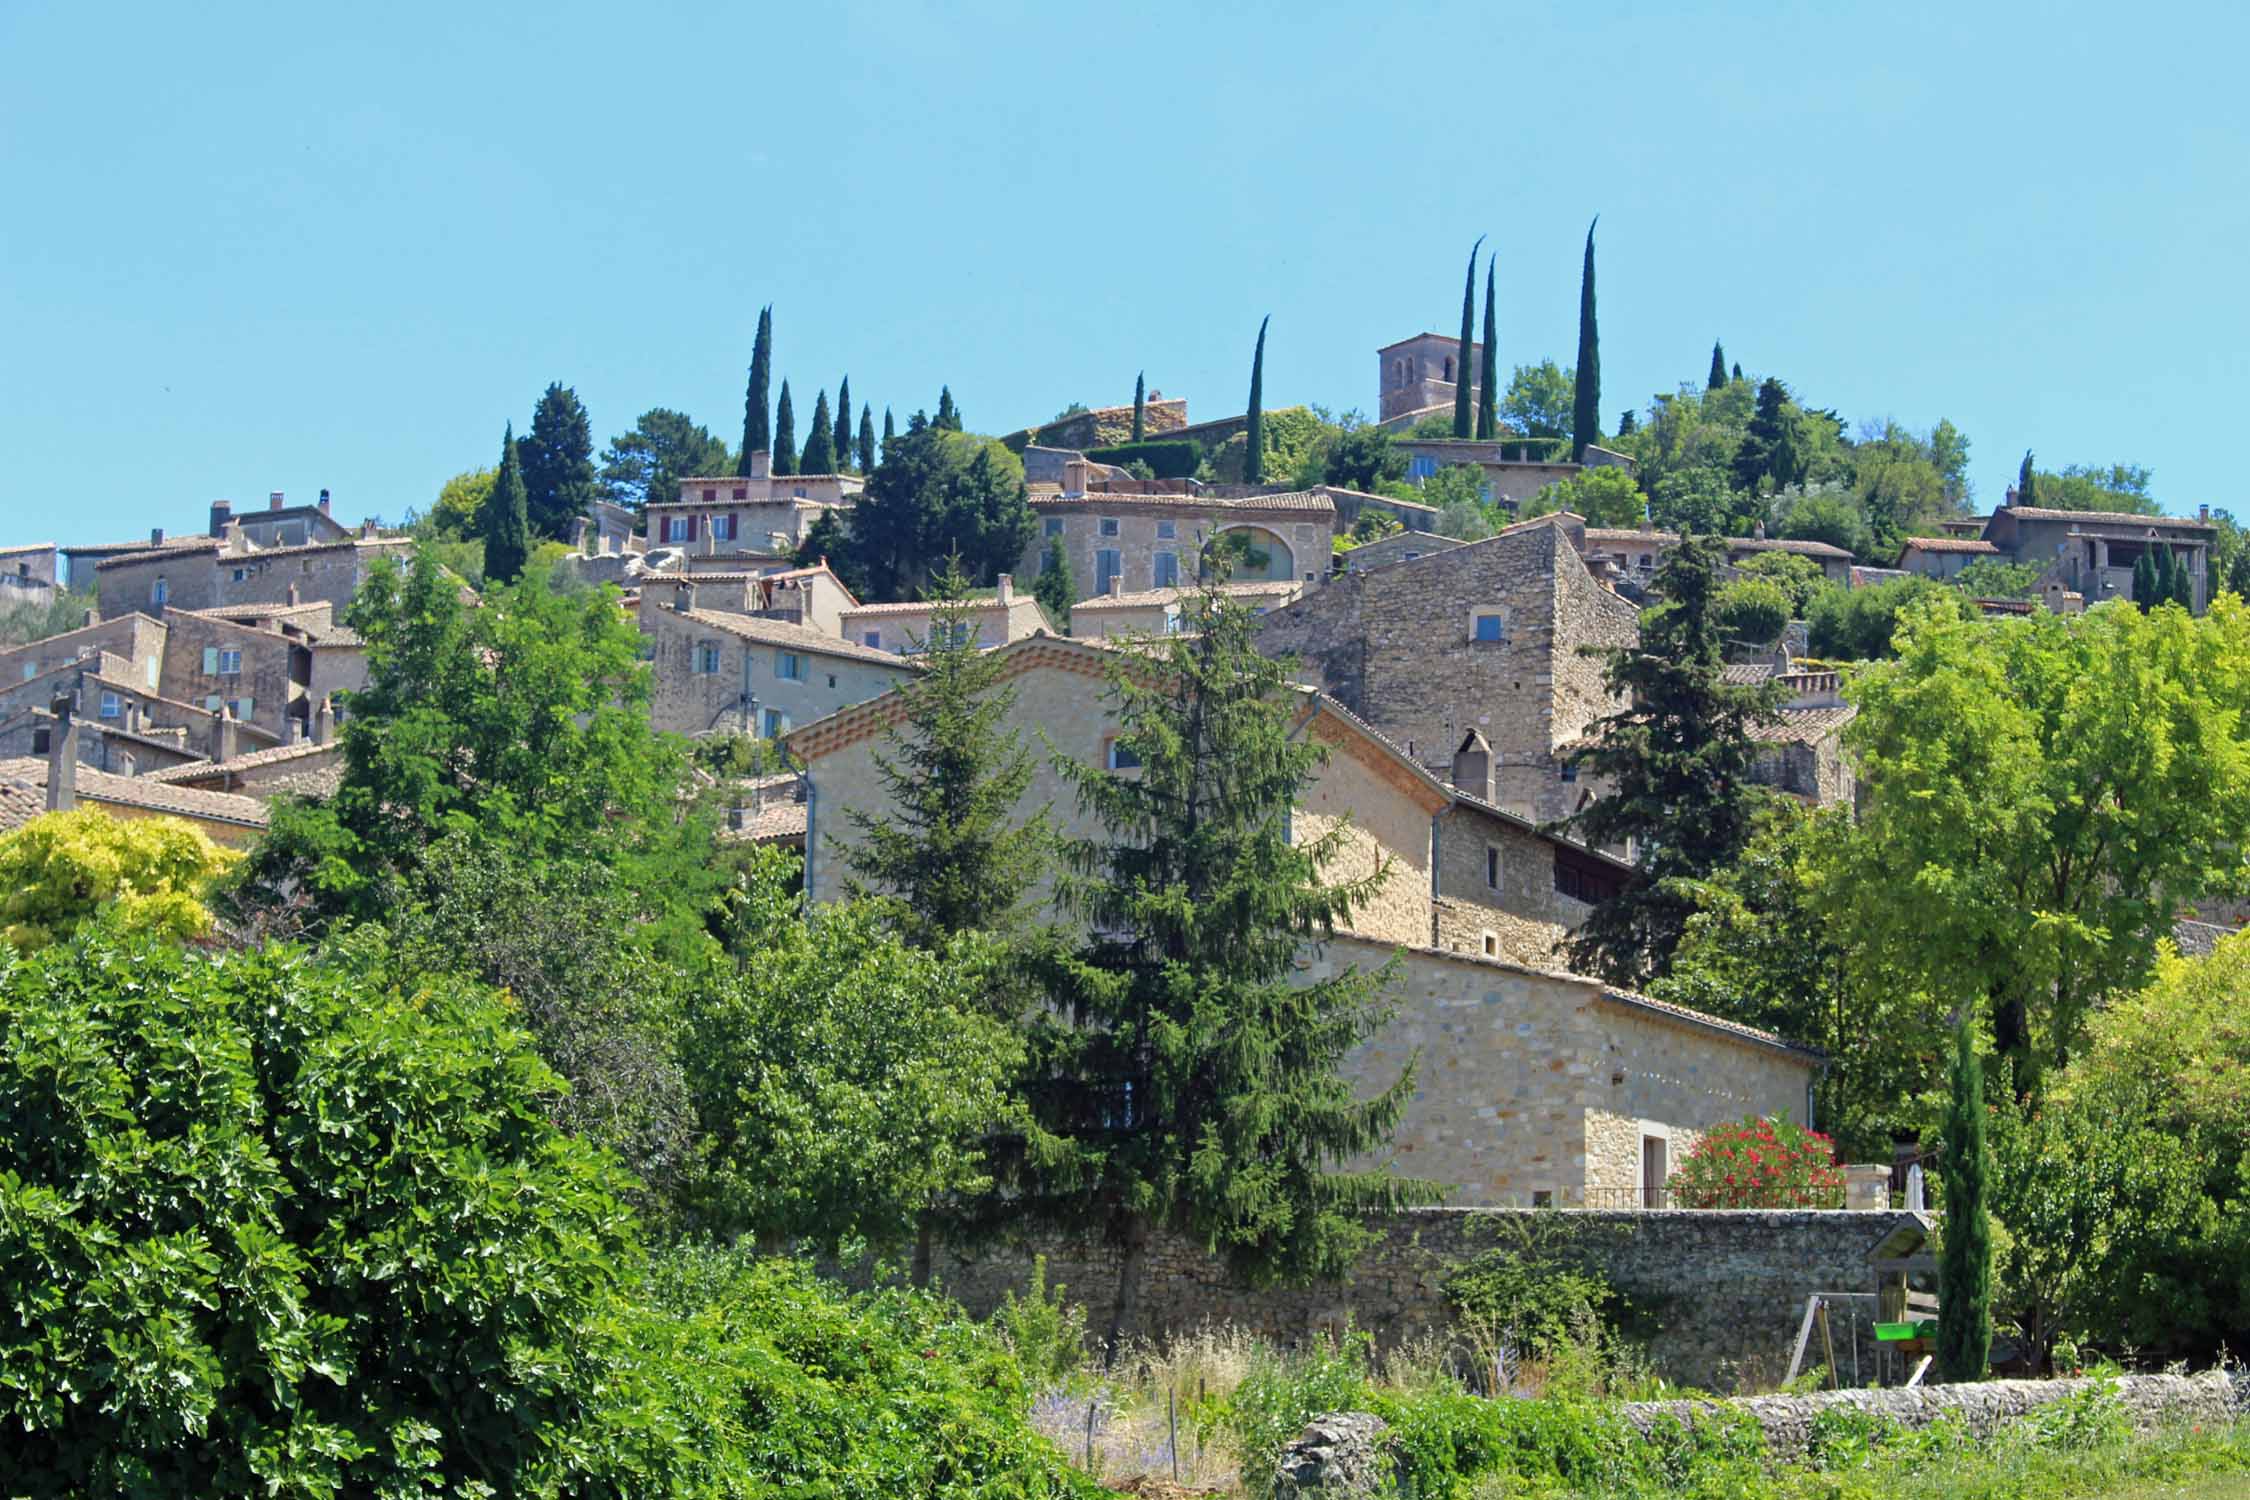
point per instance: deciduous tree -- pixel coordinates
(60, 869)
(937, 494)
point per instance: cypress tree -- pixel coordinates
(1488, 367)
(784, 434)
(819, 456)
(1586, 412)
(1254, 427)
(757, 435)
(843, 439)
(1198, 1074)
(1140, 406)
(506, 521)
(948, 415)
(1718, 375)
(2144, 583)
(867, 440)
(1055, 588)
(890, 430)
(2027, 482)
(1965, 1265)
(1737, 370)
(1463, 421)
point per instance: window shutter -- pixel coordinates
(691, 520)
(247, 707)
(210, 661)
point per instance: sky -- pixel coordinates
(248, 248)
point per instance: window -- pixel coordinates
(789, 666)
(799, 492)
(242, 707)
(1654, 1170)
(1167, 530)
(1053, 526)
(675, 528)
(1116, 756)
(1109, 526)
(1167, 570)
(1107, 565)
(710, 493)
(150, 673)
(1449, 367)
(158, 592)
(213, 703)
(1491, 946)
(1492, 867)
(874, 639)
(230, 663)
(1488, 628)
(1542, 1197)
(742, 492)
(706, 657)
(776, 723)
(1420, 466)
(111, 708)
(1569, 772)
(239, 574)
(30, 670)
(724, 528)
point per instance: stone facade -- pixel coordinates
(719, 673)
(210, 575)
(280, 524)
(1160, 611)
(1501, 885)
(1418, 373)
(904, 629)
(760, 510)
(1484, 636)
(263, 676)
(137, 640)
(1943, 557)
(812, 597)
(1514, 469)
(2094, 551)
(1154, 541)
(27, 574)
(1405, 546)
(1725, 1289)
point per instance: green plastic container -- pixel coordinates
(1899, 1333)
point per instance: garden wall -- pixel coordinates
(1723, 1290)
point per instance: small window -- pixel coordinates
(789, 667)
(1491, 946)
(239, 574)
(1167, 530)
(41, 742)
(213, 703)
(675, 528)
(1109, 526)
(159, 591)
(710, 493)
(742, 492)
(242, 707)
(707, 656)
(1492, 867)
(874, 639)
(1117, 756)
(1108, 564)
(724, 528)
(799, 492)
(1542, 1197)
(230, 663)
(1054, 526)
(1569, 772)
(111, 708)
(1488, 628)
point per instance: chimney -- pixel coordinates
(683, 598)
(293, 600)
(2010, 502)
(156, 536)
(761, 465)
(324, 502)
(227, 733)
(1007, 589)
(62, 755)
(2203, 514)
(274, 500)
(1472, 766)
(222, 511)
(324, 722)
(367, 531)
(1076, 471)
(1116, 585)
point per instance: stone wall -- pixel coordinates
(1725, 1290)
(331, 573)
(135, 637)
(1305, 538)
(684, 699)
(1522, 904)
(263, 681)
(126, 584)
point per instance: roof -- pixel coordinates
(2198, 939)
(777, 824)
(1151, 598)
(1533, 827)
(96, 549)
(20, 802)
(1633, 1000)
(1805, 726)
(258, 554)
(201, 770)
(27, 547)
(1414, 338)
(1731, 543)
(972, 605)
(1314, 500)
(795, 637)
(1947, 544)
(144, 792)
(2104, 518)
(1742, 673)
(1390, 501)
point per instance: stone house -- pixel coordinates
(137, 640)
(722, 673)
(1403, 546)
(1156, 541)
(2093, 552)
(1943, 557)
(120, 746)
(27, 574)
(761, 511)
(310, 768)
(813, 597)
(1514, 469)
(904, 628)
(1483, 636)
(1637, 553)
(1417, 375)
(280, 524)
(271, 666)
(112, 670)
(207, 574)
(1804, 752)
(1159, 611)
(1411, 515)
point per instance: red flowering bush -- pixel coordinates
(1757, 1163)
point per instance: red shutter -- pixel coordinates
(691, 520)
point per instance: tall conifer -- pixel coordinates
(1737, 370)
(867, 440)
(2027, 481)
(1488, 367)
(505, 522)
(784, 434)
(1964, 1343)
(890, 430)
(843, 439)
(1464, 421)
(1718, 375)
(819, 456)
(948, 415)
(1140, 406)
(757, 434)
(2144, 583)
(1254, 426)
(1586, 411)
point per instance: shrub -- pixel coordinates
(1047, 1333)
(1797, 575)
(1534, 1303)
(1166, 460)
(1753, 612)
(1760, 1163)
(1280, 1393)
(61, 868)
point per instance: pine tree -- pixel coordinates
(784, 434)
(1718, 375)
(757, 436)
(1464, 422)
(1254, 427)
(2027, 482)
(843, 438)
(948, 415)
(1055, 588)
(1768, 453)
(505, 522)
(1964, 1343)
(1677, 760)
(867, 440)
(1586, 412)
(1140, 406)
(819, 456)
(556, 458)
(1196, 1072)
(1488, 367)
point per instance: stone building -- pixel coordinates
(812, 597)
(311, 768)
(201, 573)
(904, 629)
(1514, 469)
(2093, 552)
(122, 746)
(722, 673)
(1402, 546)
(1943, 557)
(1160, 611)
(1155, 541)
(1484, 636)
(27, 574)
(760, 511)
(1417, 375)
(272, 666)
(1638, 553)
(280, 524)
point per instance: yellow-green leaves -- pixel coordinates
(60, 869)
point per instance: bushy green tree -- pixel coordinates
(1752, 612)
(557, 457)
(1586, 379)
(1964, 1343)
(1254, 421)
(1990, 578)
(1194, 1072)
(1799, 578)
(1605, 496)
(1772, 454)
(663, 448)
(505, 524)
(1862, 624)
(1464, 422)
(2147, 593)
(1538, 400)
(1676, 761)
(1363, 458)
(819, 456)
(460, 503)
(61, 869)
(936, 494)
(1824, 513)
(757, 435)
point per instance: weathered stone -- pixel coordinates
(1341, 1456)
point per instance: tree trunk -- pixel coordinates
(923, 1236)
(1132, 1266)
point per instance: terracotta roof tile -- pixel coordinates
(20, 802)
(795, 637)
(143, 792)
(198, 770)
(1948, 544)
(2105, 518)
(1805, 726)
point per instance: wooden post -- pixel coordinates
(1804, 1337)
(1828, 1342)
(1172, 1420)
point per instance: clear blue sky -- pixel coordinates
(293, 246)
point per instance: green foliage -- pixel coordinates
(1861, 624)
(1586, 379)
(1046, 1331)
(1538, 401)
(21, 624)
(1055, 588)
(819, 456)
(61, 869)
(757, 435)
(460, 502)
(1989, 578)
(1700, 499)
(2121, 488)
(1605, 496)
(1799, 578)
(1169, 458)
(1195, 1072)
(1718, 375)
(1254, 430)
(1140, 407)
(948, 417)
(1964, 1343)
(936, 494)
(1753, 612)
(784, 434)
(505, 524)
(1773, 451)
(867, 440)
(1464, 421)
(1280, 1393)
(1759, 1163)
(648, 462)
(1530, 1297)
(842, 446)
(557, 458)
(1823, 513)
(1488, 368)
(1677, 762)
